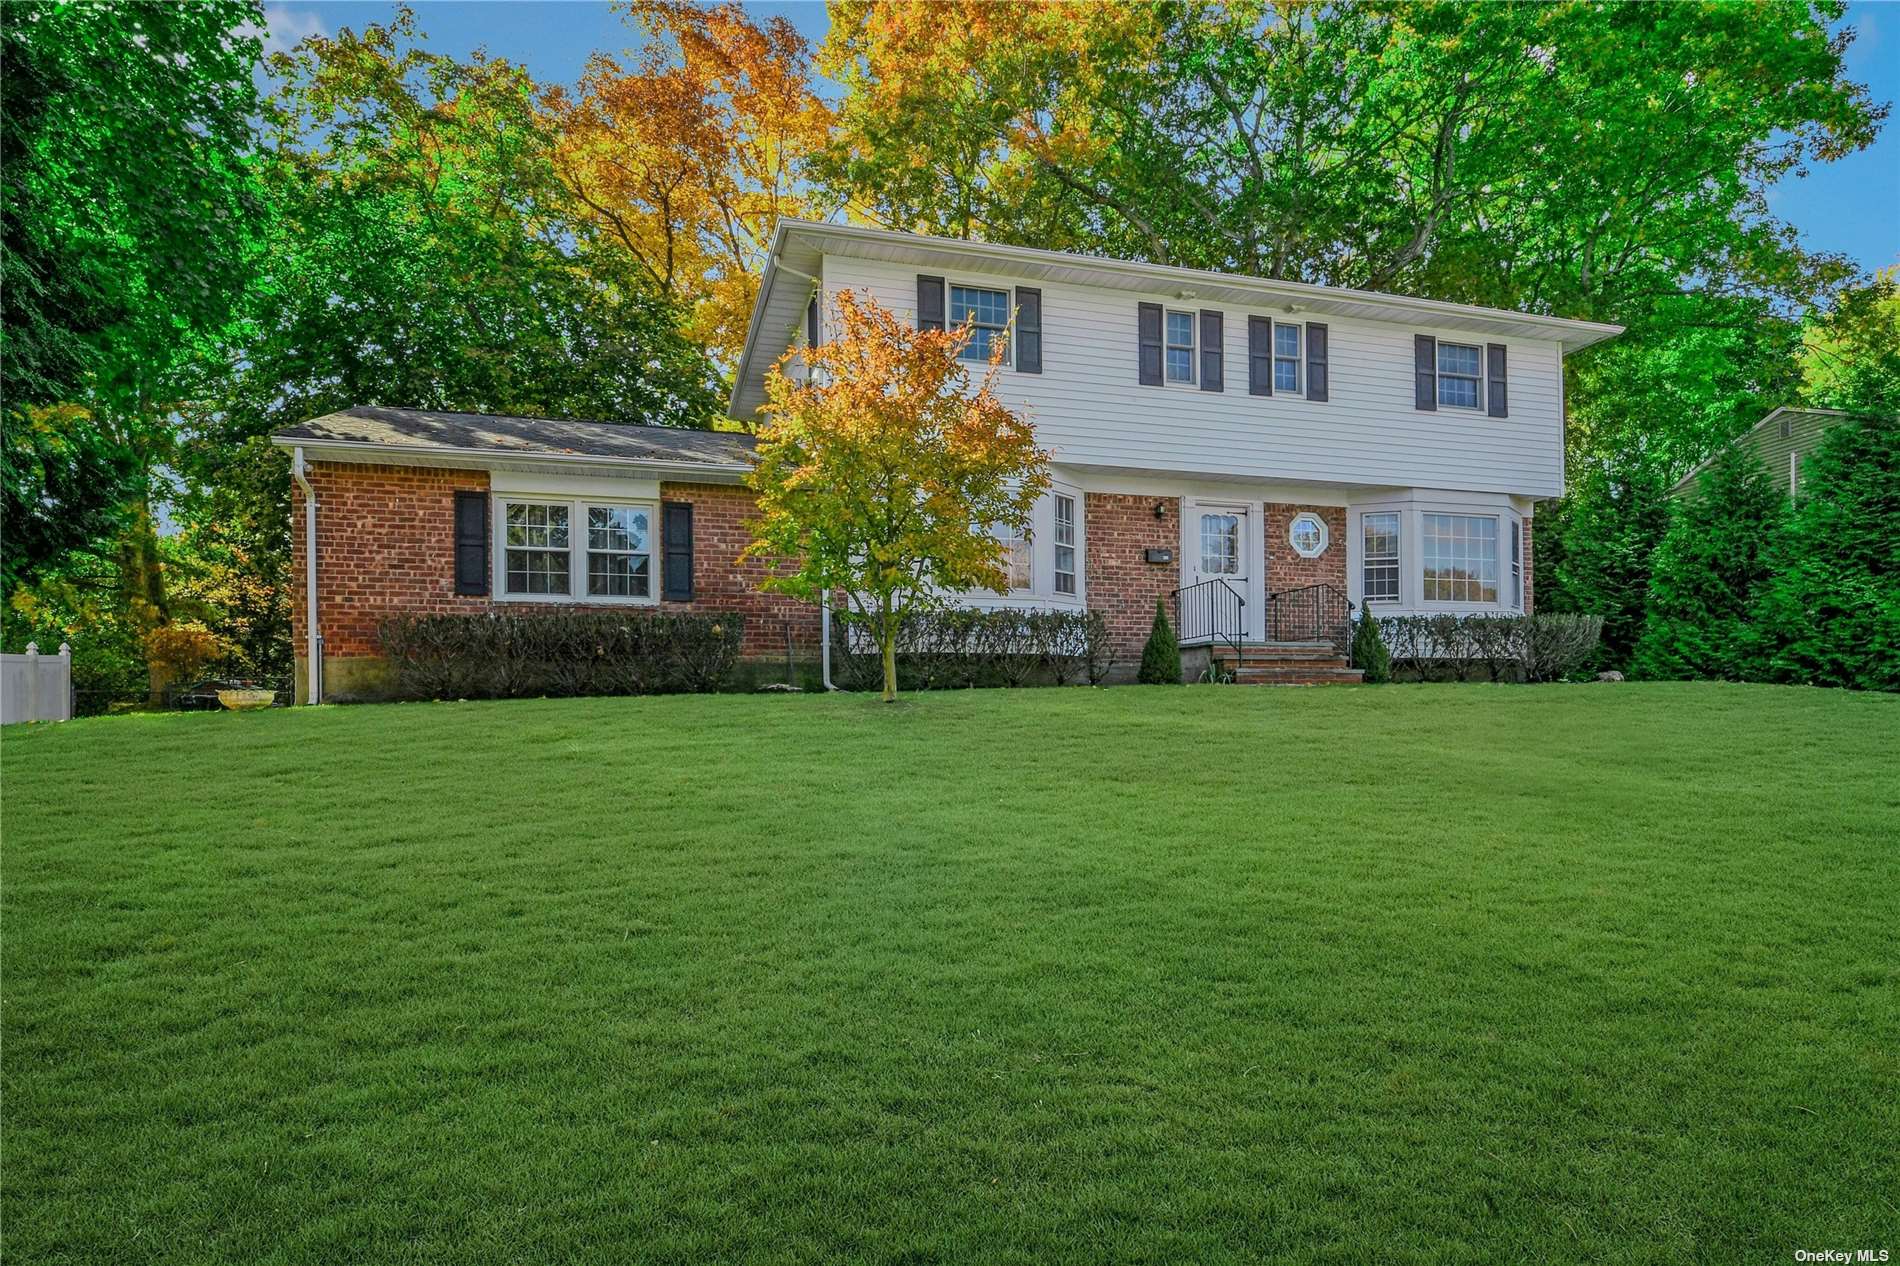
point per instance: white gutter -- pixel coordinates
(824, 638)
(488, 458)
(313, 639)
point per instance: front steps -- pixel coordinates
(1288, 664)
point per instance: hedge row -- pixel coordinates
(1539, 647)
(953, 649)
(560, 653)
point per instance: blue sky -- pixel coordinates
(1852, 206)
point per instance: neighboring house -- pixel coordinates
(1259, 455)
(1779, 442)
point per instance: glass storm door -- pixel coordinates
(1220, 552)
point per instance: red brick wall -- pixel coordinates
(1121, 584)
(385, 544)
(1286, 569)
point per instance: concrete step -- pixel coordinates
(1299, 677)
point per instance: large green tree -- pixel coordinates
(126, 233)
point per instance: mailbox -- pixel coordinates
(1160, 555)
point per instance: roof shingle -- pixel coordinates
(497, 433)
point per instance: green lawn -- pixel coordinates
(1406, 974)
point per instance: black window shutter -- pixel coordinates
(1425, 371)
(1496, 404)
(1260, 356)
(929, 303)
(1148, 333)
(676, 540)
(1213, 350)
(1317, 386)
(1028, 330)
(471, 543)
(811, 322)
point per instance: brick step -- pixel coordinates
(1299, 677)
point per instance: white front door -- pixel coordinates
(1217, 551)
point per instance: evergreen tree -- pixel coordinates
(1161, 657)
(1830, 615)
(1709, 571)
(1369, 653)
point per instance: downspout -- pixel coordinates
(313, 638)
(824, 639)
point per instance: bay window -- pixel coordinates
(1379, 558)
(1460, 557)
(1065, 544)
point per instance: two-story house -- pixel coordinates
(1259, 455)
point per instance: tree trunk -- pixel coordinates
(888, 622)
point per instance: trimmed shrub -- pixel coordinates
(560, 654)
(1369, 653)
(1161, 657)
(1546, 646)
(959, 648)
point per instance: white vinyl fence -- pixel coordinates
(36, 687)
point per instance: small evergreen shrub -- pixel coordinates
(1161, 657)
(1369, 653)
(508, 655)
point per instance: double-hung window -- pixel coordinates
(1180, 347)
(1379, 577)
(1065, 544)
(1461, 557)
(1017, 554)
(576, 550)
(987, 311)
(1286, 358)
(619, 552)
(1460, 375)
(538, 552)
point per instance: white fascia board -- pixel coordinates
(347, 451)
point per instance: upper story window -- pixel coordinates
(988, 313)
(1286, 358)
(1460, 375)
(1461, 557)
(1065, 544)
(1379, 579)
(1180, 347)
(541, 559)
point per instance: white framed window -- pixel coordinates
(1065, 544)
(537, 548)
(579, 550)
(1018, 558)
(1517, 564)
(1180, 349)
(1307, 535)
(619, 552)
(1460, 553)
(988, 313)
(1379, 557)
(1220, 544)
(1286, 358)
(1460, 375)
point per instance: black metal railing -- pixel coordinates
(1315, 613)
(1212, 611)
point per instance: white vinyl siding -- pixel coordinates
(1089, 410)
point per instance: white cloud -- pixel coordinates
(284, 28)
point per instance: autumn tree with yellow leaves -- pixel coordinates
(685, 154)
(883, 472)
